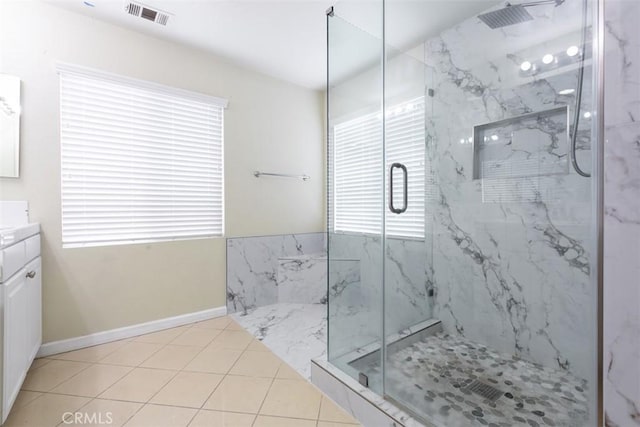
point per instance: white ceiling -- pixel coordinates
(282, 38)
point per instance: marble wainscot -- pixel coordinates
(277, 290)
(256, 266)
(622, 214)
(295, 326)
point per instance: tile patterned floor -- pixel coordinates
(211, 373)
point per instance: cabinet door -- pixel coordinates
(16, 337)
(34, 310)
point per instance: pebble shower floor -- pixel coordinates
(443, 369)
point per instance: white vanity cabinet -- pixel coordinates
(21, 303)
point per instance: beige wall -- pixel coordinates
(270, 125)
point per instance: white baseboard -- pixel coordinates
(77, 343)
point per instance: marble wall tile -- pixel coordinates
(406, 285)
(622, 59)
(509, 253)
(622, 214)
(357, 313)
(350, 313)
(252, 266)
(302, 279)
(355, 299)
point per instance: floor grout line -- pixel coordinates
(264, 400)
(319, 409)
(270, 385)
(161, 387)
(212, 391)
(134, 414)
(183, 370)
(42, 393)
(61, 382)
(192, 417)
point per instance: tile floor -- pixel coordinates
(211, 373)
(433, 377)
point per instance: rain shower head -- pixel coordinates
(506, 16)
(513, 14)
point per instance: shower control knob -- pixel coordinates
(31, 274)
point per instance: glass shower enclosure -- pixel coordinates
(461, 208)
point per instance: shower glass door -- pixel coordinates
(489, 291)
(408, 291)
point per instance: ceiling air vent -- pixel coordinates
(162, 19)
(146, 12)
(134, 9)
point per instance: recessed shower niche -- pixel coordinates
(508, 154)
(528, 145)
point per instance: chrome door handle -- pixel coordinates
(405, 190)
(31, 274)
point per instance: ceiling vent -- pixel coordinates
(146, 12)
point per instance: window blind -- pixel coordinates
(356, 175)
(140, 162)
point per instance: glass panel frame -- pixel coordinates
(355, 82)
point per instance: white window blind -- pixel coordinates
(356, 175)
(140, 162)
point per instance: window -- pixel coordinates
(356, 174)
(140, 162)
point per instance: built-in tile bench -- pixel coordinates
(254, 265)
(303, 279)
(290, 268)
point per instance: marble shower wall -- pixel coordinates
(510, 250)
(356, 288)
(622, 214)
(256, 264)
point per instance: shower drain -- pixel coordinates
(485, 390)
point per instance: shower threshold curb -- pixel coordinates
(366, 406)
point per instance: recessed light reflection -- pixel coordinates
(573, 50)
(547, 59)
(494, 137)
(525, 66)
(587, 115)
(566, 91)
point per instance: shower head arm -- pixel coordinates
(540, 3)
